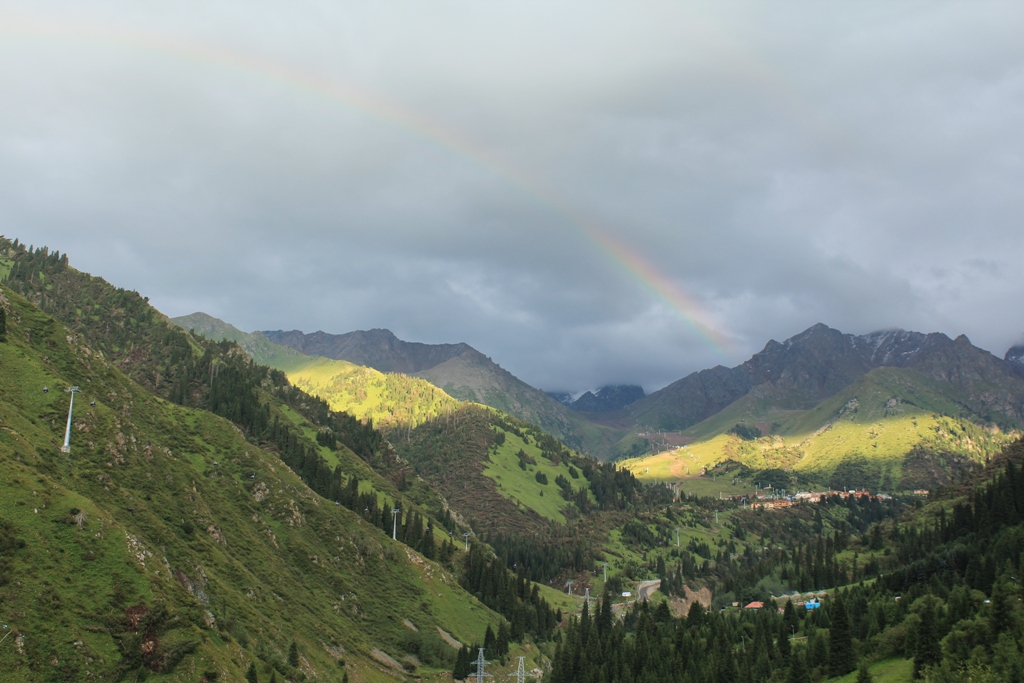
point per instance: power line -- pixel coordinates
(480, 662)
(520, 673)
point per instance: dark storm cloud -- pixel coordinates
(781, 165)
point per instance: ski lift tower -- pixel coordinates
(66, 448)
(394, 528)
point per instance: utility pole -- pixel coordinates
(677, 537)
(605, 571)
(66, 448)
(394, 528)
(480, 662)
(466, 536)
(520, 673)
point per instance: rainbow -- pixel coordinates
(687, 307)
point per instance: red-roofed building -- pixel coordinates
(754, 605)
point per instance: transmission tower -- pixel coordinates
(569, 584)
(394, 528)
(480, 662)
(520, 673)
(66, 448)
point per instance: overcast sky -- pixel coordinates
(456, 171)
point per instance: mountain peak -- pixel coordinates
(208, 326)
(1015, 357)
(377, 348)
(608, 398)
(816, 330)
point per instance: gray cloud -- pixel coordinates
(780, 165)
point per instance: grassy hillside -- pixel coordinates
(259, 348)
(165, 542)
(891, 428)
(473, 377)
(390, 400)
(521, 483)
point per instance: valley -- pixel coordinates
(233, 508)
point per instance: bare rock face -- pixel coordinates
(1015, 357)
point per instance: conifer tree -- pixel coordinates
(785, 650)
(489, 641)
(3, 324)
(427, 546)
(840, 642)
(251, 676)
(797, 673)
(863, 675)
(293, 654)
(501, 644)
(928, 650)
(604, 616)
(462, 664)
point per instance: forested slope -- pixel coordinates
(167, 543)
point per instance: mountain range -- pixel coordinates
(784, 389)
(189, 532)
(462, 372)
(815, 364)
(607, 399)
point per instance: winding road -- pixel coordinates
(645, 589)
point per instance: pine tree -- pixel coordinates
(797, 673)
(840, 642)
(503, 638)
(251, 676)
(785, 650)
(489, 641)
(3, 324)
(863, 675)
(462, 664)
(928, 650)
(293, 655)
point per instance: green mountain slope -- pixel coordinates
(463, 373)
(893, 427)
(259, 348)
(167, 543)
(390, 400)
